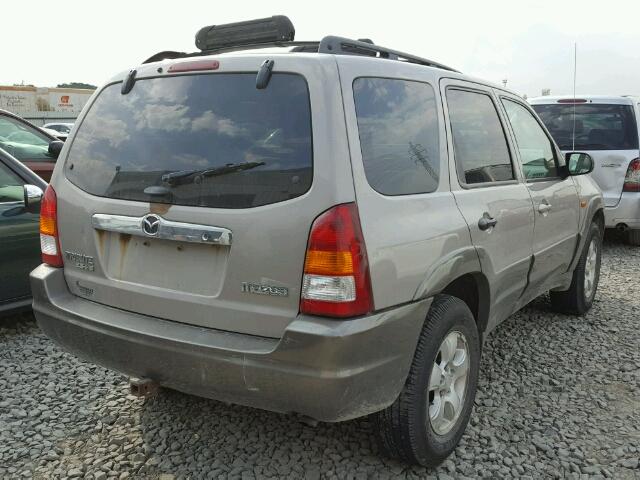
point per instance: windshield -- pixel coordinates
(22, 141)
(597, 126)
(258, 142)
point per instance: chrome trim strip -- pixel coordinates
(167, 230)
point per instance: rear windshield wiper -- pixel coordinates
(183, 176)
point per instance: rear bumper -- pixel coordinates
(627, 212)
(326, 369)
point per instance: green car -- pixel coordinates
(20, 194)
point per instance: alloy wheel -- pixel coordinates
(448, 383)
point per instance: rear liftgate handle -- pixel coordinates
(486, 222)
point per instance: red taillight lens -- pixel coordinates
(49, 244)
(632, 179)
(336, 270)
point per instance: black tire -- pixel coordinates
(574, 301)
(633, 237)
(404, 429)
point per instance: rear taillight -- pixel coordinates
(572, 100)
(195, 66)
(336, 271)
(49, 244)
(632, 179)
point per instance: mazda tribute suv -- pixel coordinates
(328, 228)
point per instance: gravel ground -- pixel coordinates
(558, 397)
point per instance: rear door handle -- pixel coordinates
(544, 208)
(486, 222)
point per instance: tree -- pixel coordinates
(77, 85)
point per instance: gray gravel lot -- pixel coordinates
(558, 397)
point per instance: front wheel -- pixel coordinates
(427, 420)
(579, 298)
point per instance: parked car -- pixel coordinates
(58, 130)
(64, 128)
(36, 148)
(331, 229)
(60, 136)
(606, 127)
(20, 194)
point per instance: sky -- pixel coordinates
(528, 43)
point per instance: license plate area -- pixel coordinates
(194, 268)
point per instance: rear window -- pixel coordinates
(398, 127)
(198, 140)
(598, 126)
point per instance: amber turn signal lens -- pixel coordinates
(319, 262)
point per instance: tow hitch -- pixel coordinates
(143, 387)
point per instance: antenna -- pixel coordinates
(575, 69)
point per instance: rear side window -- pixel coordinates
(597, 126)
(398, 128)
(197, 140)
(479, 143)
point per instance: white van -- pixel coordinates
(607, 128)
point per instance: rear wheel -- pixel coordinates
(579, 298)
(428, 418)
(633, 237)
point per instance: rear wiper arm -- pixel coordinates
(180, 177)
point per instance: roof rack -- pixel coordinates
(330, 45)
(346, 46)
(296, 47)
(278, 31)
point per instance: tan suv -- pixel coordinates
(330, 228)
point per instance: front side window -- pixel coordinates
(479, 144)
(10, 185)
(211, 140)
(596, 126)
(536, 151)
(398, 129)
(23, 142)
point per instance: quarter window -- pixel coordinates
(398, 128)
(536, 151)
(479, 144)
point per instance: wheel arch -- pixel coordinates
(459, 274)
(598, 217)
(473, 289)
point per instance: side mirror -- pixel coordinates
(32, 198)
(579, 163)
(54, 148)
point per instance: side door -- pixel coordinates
(19, 237)
(489, 192)
(415, 236)
(555, 197)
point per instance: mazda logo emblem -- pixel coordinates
(151, 225)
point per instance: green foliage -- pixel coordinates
(77, 85)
